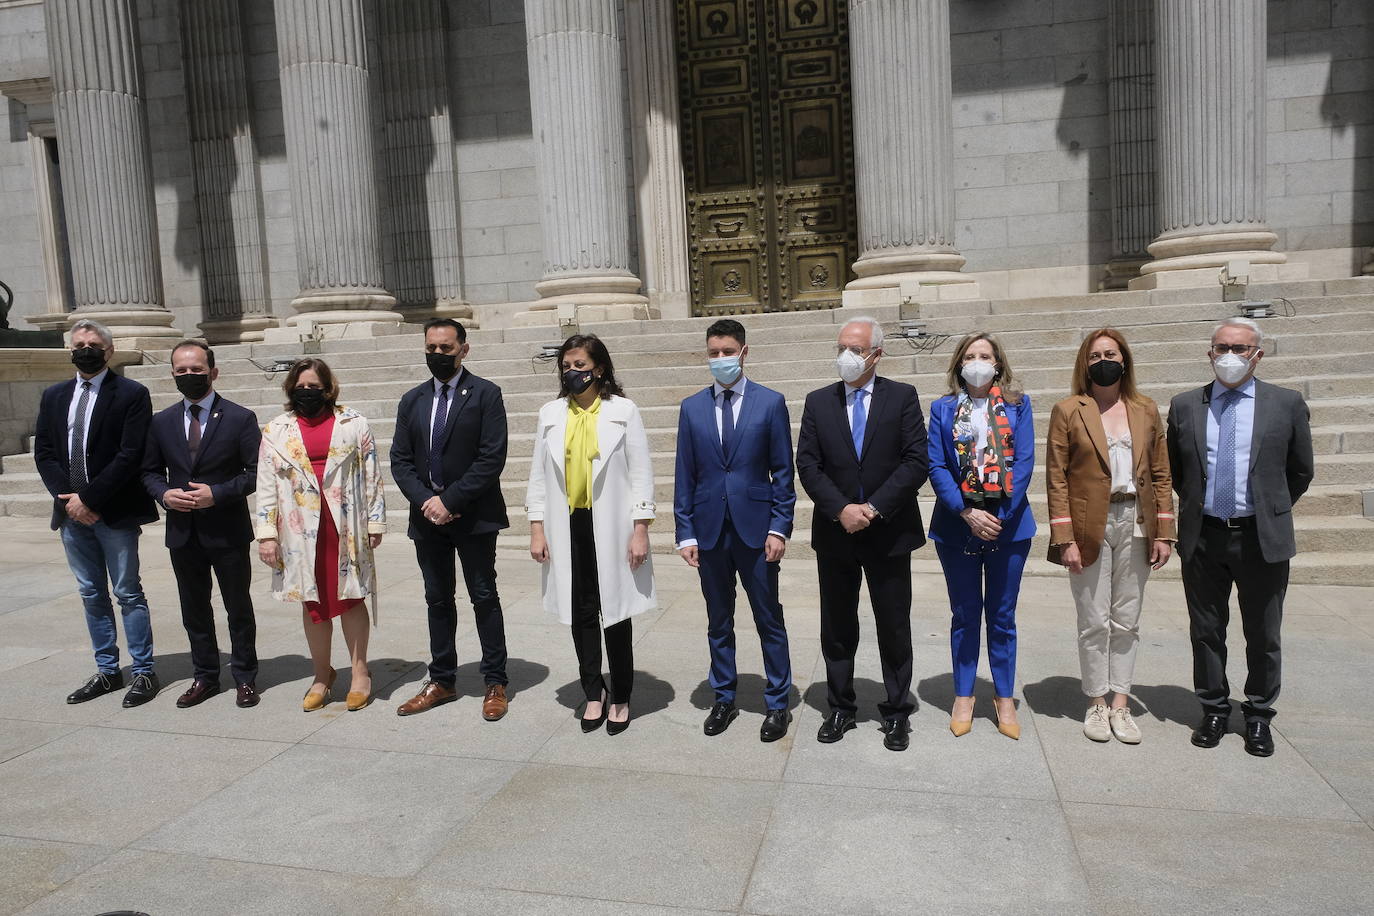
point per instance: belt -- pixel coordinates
(1122, 497)
(1239, 523)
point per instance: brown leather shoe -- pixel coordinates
(430, 696)
(494, 705)
(198, 692)
(246, 695)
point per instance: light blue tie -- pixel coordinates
(1224, 492)
(860, 421)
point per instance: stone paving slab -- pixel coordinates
(268, 810)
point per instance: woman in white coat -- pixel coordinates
(590, 501)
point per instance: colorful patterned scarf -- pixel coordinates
(984, 467)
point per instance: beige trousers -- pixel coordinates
(1109, 594)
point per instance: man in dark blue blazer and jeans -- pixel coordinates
(200, 465)
(733, 500)
(89, 447)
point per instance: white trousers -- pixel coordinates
(1109, 594)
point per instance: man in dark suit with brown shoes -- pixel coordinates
(200, 465)
(1241, 455)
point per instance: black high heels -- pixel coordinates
(615, 728)
(591, 725)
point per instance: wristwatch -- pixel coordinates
(874, 509)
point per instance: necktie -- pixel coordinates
(193, 434)
(727, 420)
(436, 438)
(1224, 494)
(77, 475)
(856, 426)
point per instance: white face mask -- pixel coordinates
(1230, 368)
(978, 372)
(850, 366)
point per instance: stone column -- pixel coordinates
(325, 89)
(423, 265)
(1131, 114)
(578, 109)
(107, 180)
(224, 165)
(651, 33)
(904, 152)
(1211, 149)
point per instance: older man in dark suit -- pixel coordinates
(88, 446)
(447, 456)
(862, 456)
(1241, 455)
(200, 465)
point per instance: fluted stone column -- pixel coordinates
(329, 147)
(422, 258)
(224, 166)
(1211, 148)
(578, 110)
(107, 181)
(1131, 115)
(904, 151)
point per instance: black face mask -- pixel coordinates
(193, 386)
(578, 380)
(89, 360)
(442, 365)
(1106, 372)
(307, 401)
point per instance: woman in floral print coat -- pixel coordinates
(320, 455)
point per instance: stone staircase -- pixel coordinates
(1324, 348)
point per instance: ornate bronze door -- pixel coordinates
(768, 153)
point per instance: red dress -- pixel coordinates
(315, 435)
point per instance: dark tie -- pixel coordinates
(436, 438)
(1224, 494)
(727, 420)
(193, 434)
(77, 477)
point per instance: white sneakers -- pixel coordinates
(1100, 724)
(1095, 723)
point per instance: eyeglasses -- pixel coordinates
(1238, 349)
(861, 352)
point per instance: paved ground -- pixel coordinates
(271, 810)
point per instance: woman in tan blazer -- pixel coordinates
(1111, 518)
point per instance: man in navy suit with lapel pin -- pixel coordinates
(447, 455)
(88, 446)
(200, 465)
(733, 500)
(861, 455)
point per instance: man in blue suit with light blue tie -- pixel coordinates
(733, 501)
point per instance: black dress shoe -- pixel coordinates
(719, 718)
(98, 685)
(246, 695)
(1209, 731)
(897, 734)
(613, 727)
(1258, 741)
(591, 725)
(197, 693)
(774, 725)
(833, 728)
(143, 689)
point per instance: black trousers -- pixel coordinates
(1221, 558)
(477, 554)
(233, 569)
(841, 572)
(586, 621)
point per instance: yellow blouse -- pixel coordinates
(581, 445)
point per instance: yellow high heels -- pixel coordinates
(314, 701)
(1011, 729)
(962, 727)
(357, 699)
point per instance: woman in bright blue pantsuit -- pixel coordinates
(982, 452)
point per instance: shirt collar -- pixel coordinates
(717, 389)
(867, 386)
(451, 383)
(1246, 390)
(96, 381)
(206, 402)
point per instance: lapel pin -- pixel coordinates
(464, 392)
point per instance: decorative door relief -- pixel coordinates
(767, 152)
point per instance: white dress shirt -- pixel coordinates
(1245, 426)
(205, 404)
(84, 421)
(849, 392)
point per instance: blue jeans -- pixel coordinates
(97, 551)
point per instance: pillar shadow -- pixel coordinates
(522, 675)
(1343, 112)
(1062, 697)
(651, 694)
(938, 691)
(748, 695)
(867, 695)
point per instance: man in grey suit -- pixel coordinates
(1241, 455)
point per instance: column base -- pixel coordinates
(456, 309)
(1368, 269)
(248, 329)
(342, 315)
(51, 321)
(1209, 277)
(541, 316)
(912, 286)
(133, 329)
(1120, 273)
